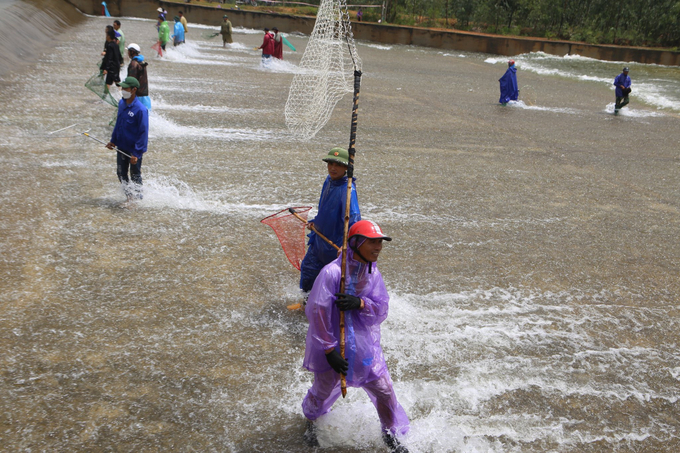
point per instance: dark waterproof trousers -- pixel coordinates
(621, 102)
(134, 189)
(309, 270)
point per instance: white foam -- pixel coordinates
(166, 192)
(520, 104)
(495, 60)
(652, 94)
(159, 126)
(280, 66)
(189, 53)
(632, 113)
(66, 163)
(248, 31)
(594, 78)
(160, 104)
(375, 46)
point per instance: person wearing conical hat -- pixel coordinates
(330, 218)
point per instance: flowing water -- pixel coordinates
(533, 272)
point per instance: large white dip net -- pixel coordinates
(326, 71)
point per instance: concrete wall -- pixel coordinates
(27, 29)
(387, 34)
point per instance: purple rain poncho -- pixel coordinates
(367, 368)
(362, 327)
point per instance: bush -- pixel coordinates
(372, 15)
(306, 10)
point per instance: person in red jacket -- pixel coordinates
(267, 46)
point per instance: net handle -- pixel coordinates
(348, 201)
(313, 228)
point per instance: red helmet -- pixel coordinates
(511, 62)
(368, 229)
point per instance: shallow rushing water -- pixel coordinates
(534, 271)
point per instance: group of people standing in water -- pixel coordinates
(272, 45)
(510, 90)
(178, 32)
(131, 130)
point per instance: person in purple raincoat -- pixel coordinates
(622, 83)
(365, 303)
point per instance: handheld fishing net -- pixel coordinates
(329, 68)
(159, 50)
(290, 231)
(97, 84)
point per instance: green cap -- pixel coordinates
(224, 17)
(129, 82)
(338, 155)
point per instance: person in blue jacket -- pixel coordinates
(330, 218)
(130, 135)
(622, 84)
(509, 90)
(178, 37)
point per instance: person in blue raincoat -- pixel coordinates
(509, 90)
(178, 37)
(329, 220)
(622, 84)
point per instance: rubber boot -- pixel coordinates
(310, 435)
(393, 443)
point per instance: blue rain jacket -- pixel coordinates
(131, 132)
(621, 79)
(179, 33)
(330, 222)
(509, 90)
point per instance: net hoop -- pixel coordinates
(326, 71)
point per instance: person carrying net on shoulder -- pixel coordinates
(329, 219)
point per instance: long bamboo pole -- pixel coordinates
(313, 228)
(348, 201)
